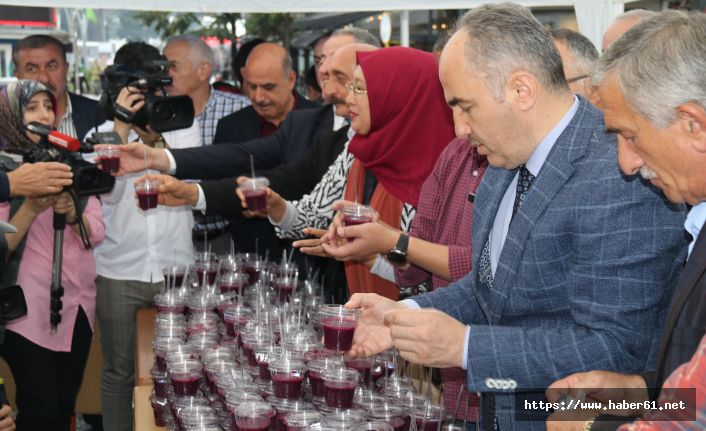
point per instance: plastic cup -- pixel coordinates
(109, 159)
(174, 275)
(300, 421)
(254, 416)
(147, 193)
(339, 387)
(255, 192)
(185, 376)
(285, 286)
(316, 368)
(429, 417)
(287, 377)
(363, 366)
(158, 405)
(160, 379)
(339, 326)
(358, 214)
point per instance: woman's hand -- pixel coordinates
(7, 423)
(38, 205)
(65, 205)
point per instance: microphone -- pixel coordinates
(54, 137)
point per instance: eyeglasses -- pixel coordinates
(318, 60)
(576, 78)
(355, 89)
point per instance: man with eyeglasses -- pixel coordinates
(577, 55)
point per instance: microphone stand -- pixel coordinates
(57, 291)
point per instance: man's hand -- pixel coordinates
(137, 157)
(276, 205)
(148, 136)
(39, 179)
(428, 337)
(601, 386)
(371, 335)
(6, 421)
(312, 246)
(172, 192)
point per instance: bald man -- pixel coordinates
(270, 81)
(623, 23)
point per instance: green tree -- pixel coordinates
(168, 24)
(270, 26)
(223, 27)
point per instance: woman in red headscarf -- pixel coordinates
(402, 123)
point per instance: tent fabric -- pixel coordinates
(593, 16)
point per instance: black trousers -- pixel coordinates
(47, 381)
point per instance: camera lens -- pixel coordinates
(163, 112)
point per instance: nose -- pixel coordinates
(257, 95)
(43, 76)
(349, 98)
(630, 162)
(461, 126)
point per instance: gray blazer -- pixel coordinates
(584, 278)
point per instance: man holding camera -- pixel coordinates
(43, 58)
(138, 244)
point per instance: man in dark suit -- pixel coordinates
(661, 124)
(43, 58)
(573, 266)
(270, 80)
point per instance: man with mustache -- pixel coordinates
(43, 58)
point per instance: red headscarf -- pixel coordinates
(410, 123)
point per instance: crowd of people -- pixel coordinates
(537, 226)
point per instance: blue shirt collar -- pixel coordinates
(539, 155)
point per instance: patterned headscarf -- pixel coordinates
(14, 101)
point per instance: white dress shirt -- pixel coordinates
(138, 244)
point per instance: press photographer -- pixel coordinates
(138, 243)
(47, 367)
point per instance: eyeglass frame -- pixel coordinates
(353, 89)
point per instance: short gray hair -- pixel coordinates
(504, 38)
(659, 65)
(359, 35)
(582, 50)
(636, 14)
(197, 48)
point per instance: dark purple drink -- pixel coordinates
(427, 424)
(211, 274)
(287, 386)
(317, 384)
(175, 279)
(338, 333)
(284, 291)
(226, 287)
(256, 199)
(356, 219)
(110, 164)
(363, 366)
(147, 199)
(340, 394)
(264, 368)
(185, 385)
(399, 424)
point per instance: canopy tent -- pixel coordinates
(593, 16)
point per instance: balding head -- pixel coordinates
(270, 81)
(623, 23)
(341, 66)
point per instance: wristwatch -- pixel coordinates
(398, 255)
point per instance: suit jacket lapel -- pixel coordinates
(694, 269)
(556, 171)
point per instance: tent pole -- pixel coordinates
(404, 28)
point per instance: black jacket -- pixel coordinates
(85, 114)
(291, 180)
(287, 144)
(244, 125)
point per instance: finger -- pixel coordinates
(315, 232)
(335, 251)
(314, 251)
(363, 300)
(307, 242)
(340, 204)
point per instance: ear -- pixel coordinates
(522, 89)
(292, 80)
(242, 73)
(693, 123)
(204, 71)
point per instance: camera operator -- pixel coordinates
(138, 245)
(48, 367)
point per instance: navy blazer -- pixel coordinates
(85, 114)
(244, 125)
(584, 277)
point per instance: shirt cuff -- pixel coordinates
(290, 217)
(172, 163)
(201, 204)
(464, 353)
(411, 304)
(383, 269)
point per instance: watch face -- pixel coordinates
(397, 257)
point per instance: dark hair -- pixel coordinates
(241, 57)
(33, 42)
(311, 80)
(135, 54)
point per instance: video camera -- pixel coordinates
(162, 113)
(88, 180)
